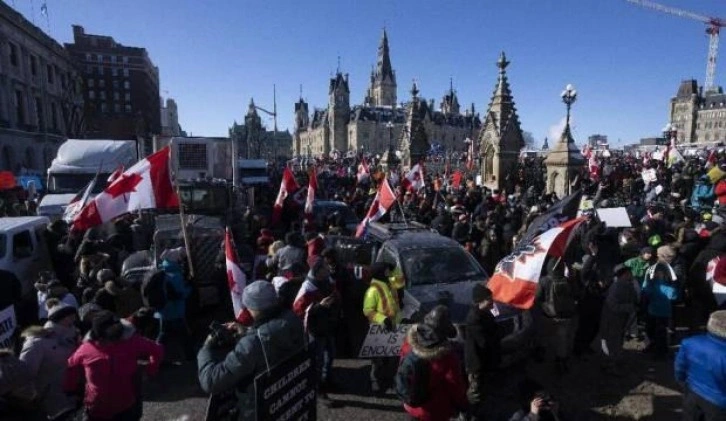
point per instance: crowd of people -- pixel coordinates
(79, 352)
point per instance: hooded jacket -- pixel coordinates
(701, 364)
(45, 352)
(177, 291)
(447, 387)
(281, 334)
(111, 370)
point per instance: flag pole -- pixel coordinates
(184, 233)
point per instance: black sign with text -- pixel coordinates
(288, 391)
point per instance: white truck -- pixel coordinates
(77, 162)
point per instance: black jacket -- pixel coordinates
(482, 350)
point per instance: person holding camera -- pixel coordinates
(276, 335)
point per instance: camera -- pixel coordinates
(221, 336)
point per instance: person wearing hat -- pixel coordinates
(107, 363)
(430, 341)
(699, 365)
(276, 335)
(173, 324)
(621, 302)
(660, 288)
(381, 307)
(49, 287)
(482, 349)
(45, 352)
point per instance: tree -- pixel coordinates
(528, 140)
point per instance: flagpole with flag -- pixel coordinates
(384, 199)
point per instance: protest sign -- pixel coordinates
(288, 391)
(8, 323)
(380, 342)
(614, 217)
(649, 175)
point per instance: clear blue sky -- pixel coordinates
(625, 61)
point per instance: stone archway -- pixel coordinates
(554, 179)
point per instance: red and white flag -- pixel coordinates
(716, 276)
(236, 279)
(456, 179)
(385, 198)
(146, 185)
(288, 186)
(116, 174)
(364, 172)
(711, 160)
(516, 276)
(414, 180)
(593, 167)
(79, 201)
(312, 189)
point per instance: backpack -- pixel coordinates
(412, 380)
(153, 289)
(559, 299)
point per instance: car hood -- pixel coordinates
(455, 295)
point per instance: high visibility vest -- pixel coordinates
(381, 302)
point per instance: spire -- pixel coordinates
(251, 109)
(545, 146)
(501, 107)
(384, 69)
(414, 91)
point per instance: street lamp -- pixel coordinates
(569, 96)
(389, 125)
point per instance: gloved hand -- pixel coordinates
(388, 324)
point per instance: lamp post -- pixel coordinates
(670, 132)
(389, 125)
(569, 96)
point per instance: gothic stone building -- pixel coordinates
(378, 124)
(254, 141)
(698, 116)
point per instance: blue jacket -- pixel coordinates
(175, 308)
(660, 293)
(701, 364)
(703, 193)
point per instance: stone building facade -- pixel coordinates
(378, 124)
(40, 101)
(254, 141)
(697, 116)
(170, 119)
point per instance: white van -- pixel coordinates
(23, 250)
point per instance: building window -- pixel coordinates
(117, 108)
(91, 83)
(127, 97)
(88, 56)
(127, 108)
(127, 84)
(126, 60)
(100, 70)
(54, 116)
(39, 117)
(116, 96)
(192, 156)
(100, 58)
(91, 95)
(114, 71)
(102, 95)
(51, 74)
(19, 107)
(13, 54)
(113, 59)
(104, 107)
(101, 83)
(34, 65)
(115, 84)
(126, 72)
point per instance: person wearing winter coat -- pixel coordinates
(430, 341)
(52, 289)
(621, 301)
(294, 251)
(699, 365)
(17, 388)
(45, 352)
(482, 348)
(660, 289)
(276, 335)
(107, 362)
(703, 194)
(173, 325)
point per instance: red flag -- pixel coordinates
(516, 276)
(414, 180)
(456, 179)
(236, 279)
(364, 172)
(288, 185)
(312, 188)
(711, 161)
(146, 185)
(381, 203)
(116, 174)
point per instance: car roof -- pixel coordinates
(330, 203)
(12, 222)
(420, 239)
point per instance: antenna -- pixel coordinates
(338, 71)
(274, 106)
(301, 91)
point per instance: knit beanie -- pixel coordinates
(717, 324)
(259, 296)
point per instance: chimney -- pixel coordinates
(78, 32)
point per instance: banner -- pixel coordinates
(8, 323)
(380, 342)
(288, 391)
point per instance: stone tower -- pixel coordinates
(684, 110)
(338, 113)
(414, 144)
(302, 121)
(450, 103)
(564, 163)
(500, 138)
(252, 147)
(382, 91)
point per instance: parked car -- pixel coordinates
(326, 210)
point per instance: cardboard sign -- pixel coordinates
(8, 324)
(615, 217)
(380, 342)
(288, 391)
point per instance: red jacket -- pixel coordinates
(720, 191)
(112, 374)
(446, 382)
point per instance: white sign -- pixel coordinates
(383, 343)
(615, 217)
(7, 326)
(649, 175)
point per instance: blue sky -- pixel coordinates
(625, 61)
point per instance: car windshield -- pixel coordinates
(74, 183)
(2, 245)
(346, 213)
(438, 265)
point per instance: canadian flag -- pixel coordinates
(236, 279)
(381, 203)
(79, 201)
(364, 173)
(288, 185)
(312, 188)
(414, 180)
(146, 185)
(711, 160)
(116, 174)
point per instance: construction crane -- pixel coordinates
(713, 29)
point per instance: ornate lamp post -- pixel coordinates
(569, 96)
(389, 125)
